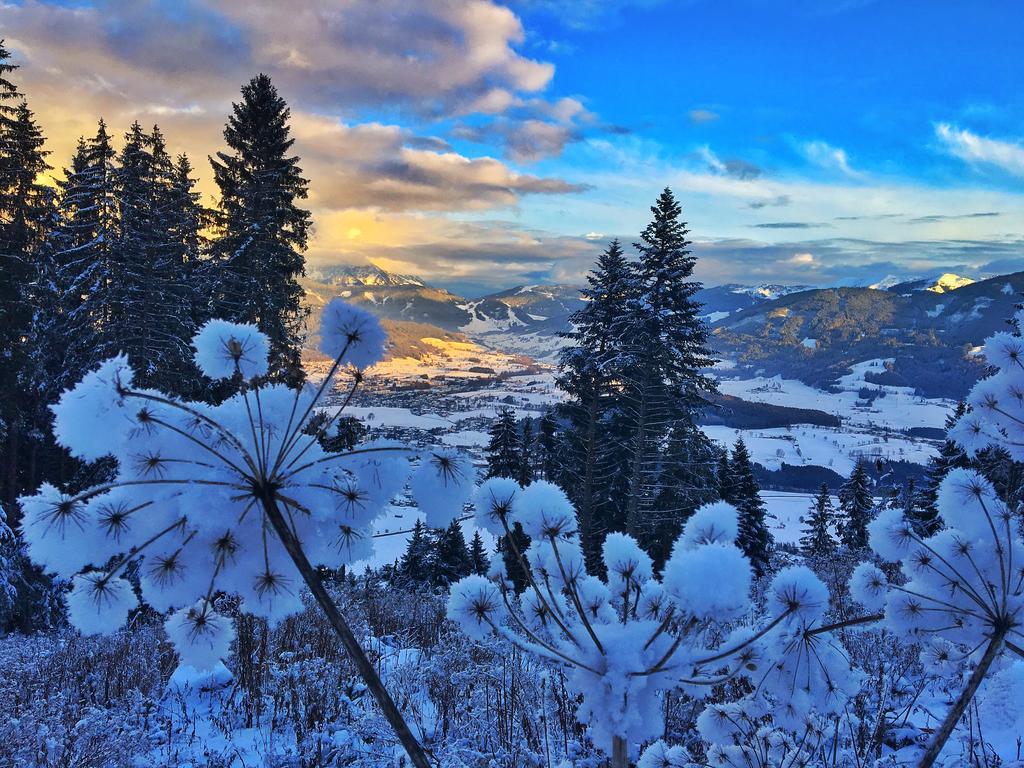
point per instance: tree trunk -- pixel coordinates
(366, 670)
(941, 736)
(619, 753)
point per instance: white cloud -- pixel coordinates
(806, 259)
(828, 157)
(973, 148)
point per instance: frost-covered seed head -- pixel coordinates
(352, 334)
(224, 349)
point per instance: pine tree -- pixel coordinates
(261, 231)
(505, 450)
(547, 447)
(505, 459)
(817, 540)
(174, 253)
(526, 459)
(414, 567)
(589, 372)
(85, 258)
(25, 207)
(754, 537)
(513, 568)
(663, 383)
(450, 559)
(725, 479)
(856, 502)
(479, 562)
(687, 481)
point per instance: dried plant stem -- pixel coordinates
(941, 736)
(366, 669)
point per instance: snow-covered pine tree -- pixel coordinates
(687, 482)
(479, 561)
(414, 567)
(663, 385)
(950, 456)
(528, 459)
(261, 232)
(135, 323)
(725, 479)
(174, 255)
(816, 539)
(589, 373)
(548, 463)
(10, 98)
(449, 557)
(754, 537)
(25, 207)
(505, 448)
(856, 502)
(505, 459)
(84, 258)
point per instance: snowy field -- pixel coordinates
(832, 447)
(898, 410)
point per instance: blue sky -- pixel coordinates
(483, 144)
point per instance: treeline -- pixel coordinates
(119, 255)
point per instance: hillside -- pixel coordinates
(816, 335)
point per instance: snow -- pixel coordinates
(798, 591)
(442, 485)
(712, 523)
(832, 447)
(98, 604)
(809, 343)
(351, 334)
(224, 349)
(868, 586)
(948, 282)
(543, 510)
(201, 636)
(900, 409)
(709, 582)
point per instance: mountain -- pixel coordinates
(930, 337)
(722, 300)
(943, 283)
(366, 274)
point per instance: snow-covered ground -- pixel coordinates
(899, 409)
(837, 448)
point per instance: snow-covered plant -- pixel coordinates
(962, 589)
(625, 639)
(804, 682)
(238, 497)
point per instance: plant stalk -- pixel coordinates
(366, 670)
(619, 753)
(941, 736)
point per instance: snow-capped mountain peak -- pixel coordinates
(948, 282)
(362, 275)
